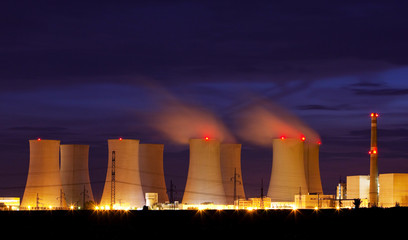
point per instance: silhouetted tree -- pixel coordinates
(357, 202)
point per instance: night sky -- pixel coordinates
(166, 71)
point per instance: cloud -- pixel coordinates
(382, 92)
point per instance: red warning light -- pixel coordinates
(303, 138)
(319, 142)
(283, 137)
(207, 138)
(375, 115)
(38, 139)
(120, 139)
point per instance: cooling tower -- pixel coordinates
(126, 189)
(75, 174)
(312, 170)
(43, 188)
(230, 157)
(204, 180)
(288, 170)
(151, 170)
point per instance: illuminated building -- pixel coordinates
(288, 175)
(123, 187)
(230, 157)
(43, 189)
(204, 180)
(314, 201)
(151, 170)
(151, 199)
(9, 203)
(393, 189)
(358, 188)
(75, 174)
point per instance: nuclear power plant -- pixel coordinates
(75, 174)
(44, 188)
(123, 187)
(58, 177)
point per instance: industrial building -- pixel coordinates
(123, 188)
(393, 189)
(204, 180)
(43, 189)
(75, 174)
(151, 170)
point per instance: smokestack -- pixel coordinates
(151, 170)
(43, 188)
(288, 170)
(75, 174)
(230, 157)
(127, 191)
(204, 180)
(373, 195)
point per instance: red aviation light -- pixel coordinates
(375, 115)
(319, 142)
(283, 137)
(303, 138)
(207, 138)
(120, 139)
(38, 139)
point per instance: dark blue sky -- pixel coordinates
(86, 71)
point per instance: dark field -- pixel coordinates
(266, 224)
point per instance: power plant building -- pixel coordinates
(393, 189)
(204, 180)
(75, 174)
(288, 176)
(43, 188)
(123, 188)
(230, 157)
(151, 170)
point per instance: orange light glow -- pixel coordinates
(38, 139)
(120, 139)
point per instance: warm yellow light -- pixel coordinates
(50, 207)
(71, 207)
(338, 207)
(96, 207)
(29, 207)
(107, 207)
(316, 208)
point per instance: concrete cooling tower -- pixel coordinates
(151, 170)
(312, 170)
(75, 174)
(43, 188)
(204, 180)
(230, 157)
(123, 187)
(288, 170)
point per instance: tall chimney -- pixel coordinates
(373, 195)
